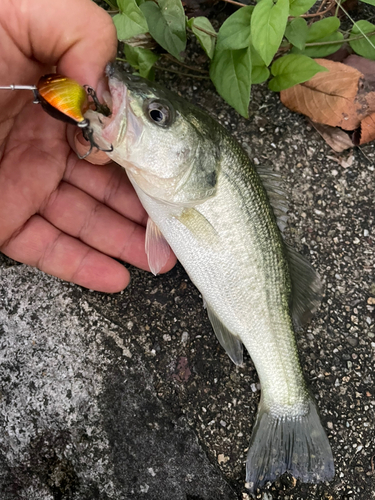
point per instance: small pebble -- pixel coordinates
(222, 459)
(184, 337)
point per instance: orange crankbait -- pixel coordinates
(66, 100)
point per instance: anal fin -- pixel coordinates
(156, 246)
(232, 344)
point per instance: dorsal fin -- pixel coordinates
(272, 183)
(306, 284)
(307, 287)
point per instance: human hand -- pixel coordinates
(58, 213)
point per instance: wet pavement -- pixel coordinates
(130, 396)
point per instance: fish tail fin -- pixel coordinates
(297, 445)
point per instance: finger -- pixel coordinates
(41, 245)
(78, 214)
(108, 184)
(77, 35)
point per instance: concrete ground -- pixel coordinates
(130, 396)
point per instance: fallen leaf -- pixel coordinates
(332, 98)
(339, 55)
(365, 66)
(350, 6)
(367, 129)
(335, 137)
(344, 162)
(342, 99)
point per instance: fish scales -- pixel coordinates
(241, 271)
(205, 198)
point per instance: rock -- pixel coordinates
(79, 418)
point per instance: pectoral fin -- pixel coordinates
(199, 226)
(156, 246)
(231, 343)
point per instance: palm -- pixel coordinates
(62, 214)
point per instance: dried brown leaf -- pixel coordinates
(340, 55)
(330, 98)
(367, 129)
(344, 162)
(336, 138)
(365, 66)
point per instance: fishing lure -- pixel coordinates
(66, 100)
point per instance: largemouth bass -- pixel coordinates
(207, 202)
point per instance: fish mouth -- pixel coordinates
(115, 125)
(134, 83)
(122, 121)
(110, 130)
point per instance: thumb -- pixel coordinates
(77, 36)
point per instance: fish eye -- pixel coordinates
(159, 112)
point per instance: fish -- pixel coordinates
(223, 219)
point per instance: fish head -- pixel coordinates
(164, 143)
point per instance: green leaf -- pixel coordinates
(325, 50)
(259, 71)
(319, 33)
(298, 7)
(322, 28)
(230, 72)
(268, 24)
(292, 69)
(259, 74)
(370, 2)
(197, 24)
(140, 59)
(235, 31)
(296, 32)
(131, 21)
(167, 25)
(362, 46)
